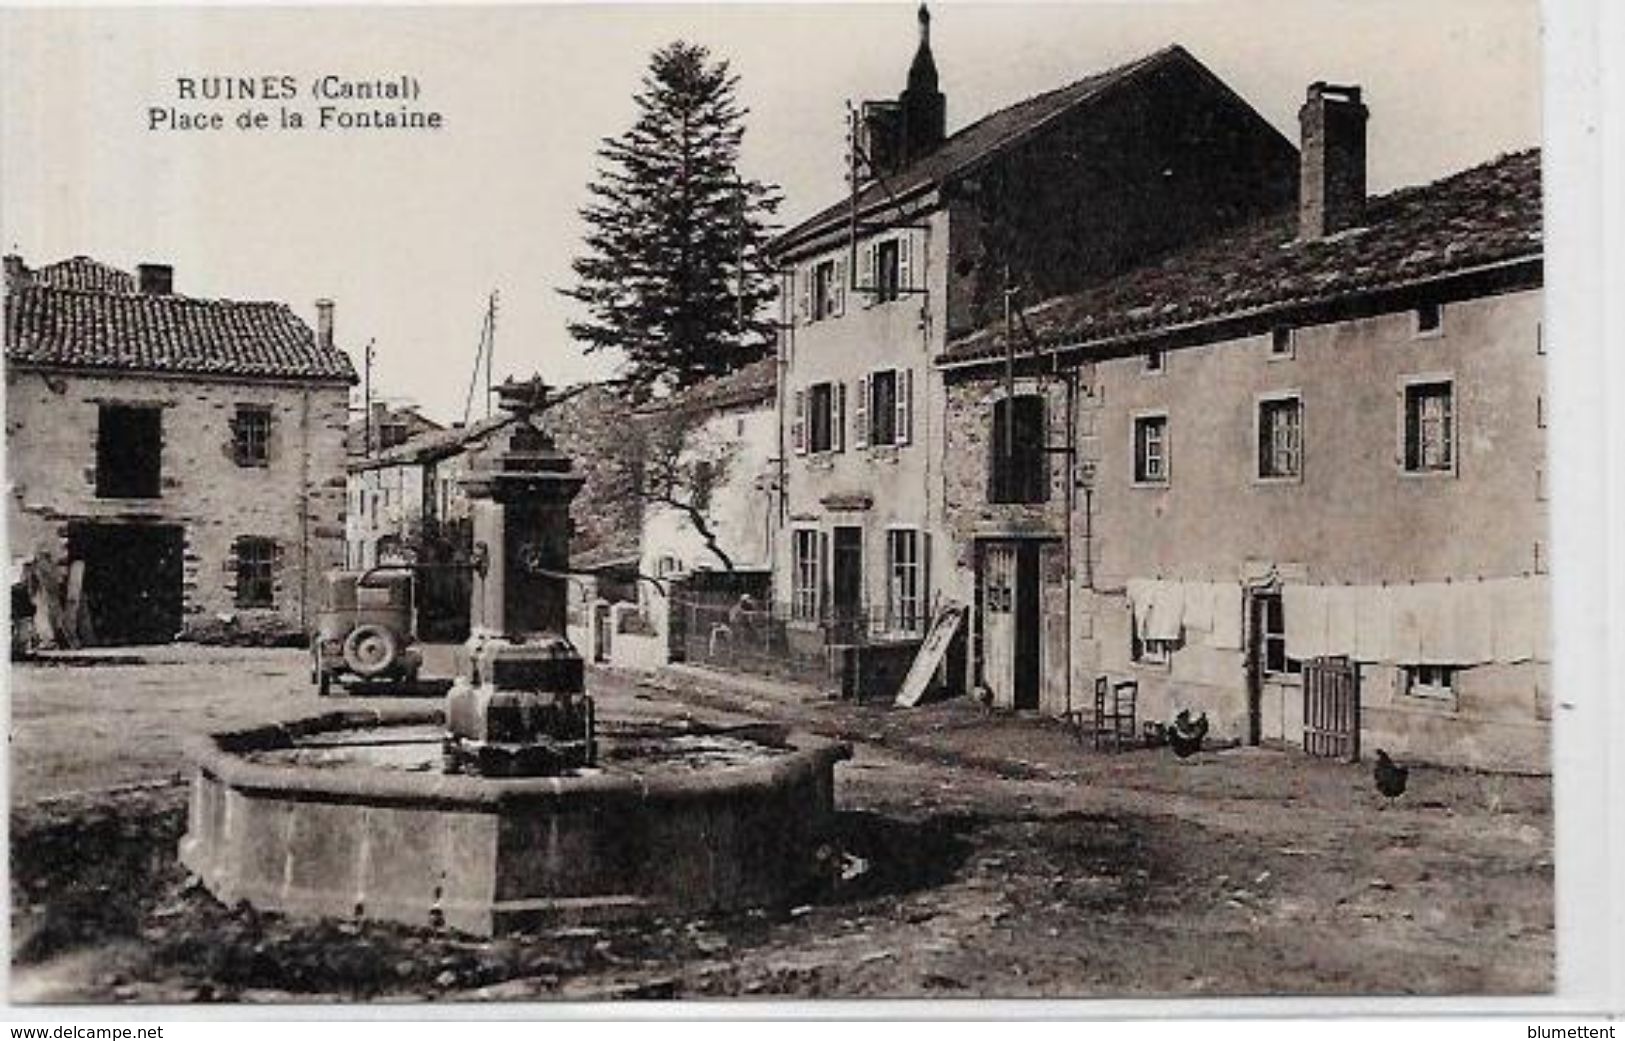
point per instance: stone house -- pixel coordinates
(402, 491)
(1059, 191)
(1313, 448)
(382, 427)
(729, 432)
(178, 461)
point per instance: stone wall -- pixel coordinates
(297, 499)
(1353, 517)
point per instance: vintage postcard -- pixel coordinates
(590, 503)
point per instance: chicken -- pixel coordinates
(1390, 776)
(1185, 737)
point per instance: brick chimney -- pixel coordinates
(324, 324)
(1331, 195)
(155, 279)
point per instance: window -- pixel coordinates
(667, 565)
(1283, 341)
(251, 435)
(256, 561)
(1151, 450)
(1429, 428)
(1430, 681)
(1276, 663)
(391, 434)
(805, 576)
(1429, 320)
(825, 417)
(906, 593)
(885, 408)
(828, 290)
(1153, 361)
(129, 452)
(1280, 438)
(1149, 652)
(888, 270)
(1019, 468)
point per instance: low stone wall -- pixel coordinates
(487, 856)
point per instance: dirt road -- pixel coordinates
(981, 856)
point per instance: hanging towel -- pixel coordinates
(1539, 595)
(1342, 610)
(1167, 612)
(1226, 634)
(1473, 609)
(1139, 601)
(1437, 621)
(1372, 623)
(1199, 606)
(1520, 620)
(1406, 606)
(1305, 611)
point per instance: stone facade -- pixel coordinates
(1057, 192)
(296, 499)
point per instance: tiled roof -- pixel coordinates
(745, 386)
(136, 332)
(84, 273)
(1482, 217)
(983, 138)
(437, 444)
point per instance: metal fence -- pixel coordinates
(771, 639)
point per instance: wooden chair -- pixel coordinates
(1115, 712)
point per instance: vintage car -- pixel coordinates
(366, 630)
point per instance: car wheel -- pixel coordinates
(371, 651)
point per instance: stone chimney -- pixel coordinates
(155, 279)
(324, 324)
(1331, 195)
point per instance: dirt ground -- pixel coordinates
(983, 856)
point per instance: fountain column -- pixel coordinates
(518, 707)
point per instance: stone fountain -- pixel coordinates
(513, 805)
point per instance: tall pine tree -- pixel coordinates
(676, 274)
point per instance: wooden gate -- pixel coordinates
(1331, 708)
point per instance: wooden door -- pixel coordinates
(846, 585)
(1027, 620)
(999, 621)
(1331, 708)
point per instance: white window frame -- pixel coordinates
(1407, 384)
(906, 580)
(806, 574)
(803, 425)
(1430, 682)
(1156, 368)
(1137, 421)
(1259, 403)
(825, 301)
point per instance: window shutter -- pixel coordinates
(860, 417)
(866, 272)
(798, 424)
(804, 297)
(926, 605)
(905, 405)
(838, 420)
(823, 573)
(838, 290)
(905, 262)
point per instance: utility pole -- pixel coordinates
(1009, 368)
(490, 348)
(366, 400)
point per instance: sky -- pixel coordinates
(409, 232)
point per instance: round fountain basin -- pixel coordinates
(349, 815)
